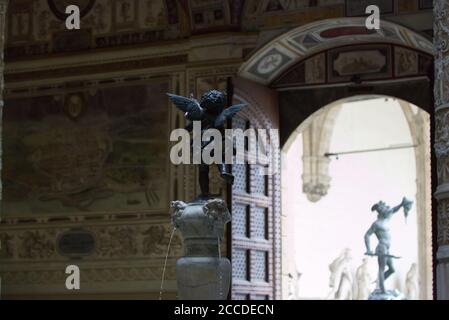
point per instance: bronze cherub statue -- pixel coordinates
(212, 113)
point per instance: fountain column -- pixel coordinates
(202, 274)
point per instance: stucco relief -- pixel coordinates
(442, 144)
(443, 223)
(442, 136)
(111, 242)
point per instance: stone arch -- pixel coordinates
(418, 122)
(277, 64)
(316, 132)
(269, 62)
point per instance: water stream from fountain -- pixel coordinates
(220, 276)
(165, 263)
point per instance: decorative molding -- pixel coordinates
(99, 68)
(112, 242)
(90, 275)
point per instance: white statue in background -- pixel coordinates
(293, 286)
(411, 283)
(341, 280)
(364, 281)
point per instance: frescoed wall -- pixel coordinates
(100, 152)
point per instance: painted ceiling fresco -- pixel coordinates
(284, 52)
(36, 27)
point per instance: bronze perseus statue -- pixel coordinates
(381, 229)
(212, 113)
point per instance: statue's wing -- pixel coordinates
(228, 113)
(185, 104)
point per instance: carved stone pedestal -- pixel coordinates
(202, 274)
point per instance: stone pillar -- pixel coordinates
(441, 40)
(316, 143)
(3, 7)
(419, 125)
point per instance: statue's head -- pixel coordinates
(381, 208)
(213, 101)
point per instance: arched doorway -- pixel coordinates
(315, 65)
(335, 166)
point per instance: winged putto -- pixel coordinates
(211, 111)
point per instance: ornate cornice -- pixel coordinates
(99, 68)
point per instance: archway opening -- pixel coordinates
(335, 166)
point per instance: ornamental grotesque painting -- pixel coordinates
(58, 7)
(87, 152)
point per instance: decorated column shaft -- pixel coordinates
(441, 39)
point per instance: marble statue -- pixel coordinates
(211, 111)
(381, 229)
(411, 283)
(293, 286)
(364, 281)
(341, 280)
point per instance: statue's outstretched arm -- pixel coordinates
(397, 208)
